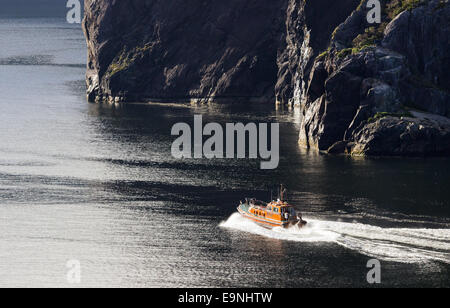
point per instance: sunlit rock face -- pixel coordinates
(356, 84)
(374, 89)
(309, 27)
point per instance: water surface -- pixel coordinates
(98, 184)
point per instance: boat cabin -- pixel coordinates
(275, 210)
(273, 214)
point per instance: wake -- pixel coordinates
(403, 245)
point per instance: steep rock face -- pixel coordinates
(358, 85)
(309, 26)
(201, 50)
(189, 50)
(423, 37)
(369, 73)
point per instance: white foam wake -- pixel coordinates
(391, 244)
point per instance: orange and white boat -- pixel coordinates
(270, 215)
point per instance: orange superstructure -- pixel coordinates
(274, 214)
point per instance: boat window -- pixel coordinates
(275, 210)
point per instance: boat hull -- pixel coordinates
(267, 222)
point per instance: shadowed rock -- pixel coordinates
(357, 84)
(183, 50)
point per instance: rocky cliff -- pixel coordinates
(375, 89)
(363, 89)
(183, 50)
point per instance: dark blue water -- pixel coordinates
(98, 184)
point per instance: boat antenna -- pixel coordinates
(282, 192)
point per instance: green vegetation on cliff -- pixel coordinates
(126, 58)
(380, 115)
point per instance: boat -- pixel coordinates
(277, 213)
